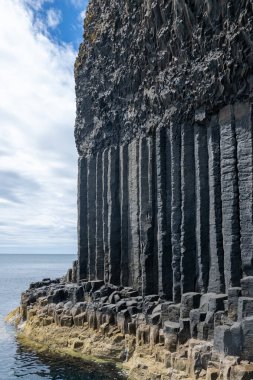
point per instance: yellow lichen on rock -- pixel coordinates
(75, 341)
(107, 344)
(90, 337)
(14, 317)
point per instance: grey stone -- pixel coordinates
(204, 301)
(189, 301)
(196, 316)
(171, 330)
(247, 286)
(171, 327)
(230, 199)
(184, 332)
(217, 302)
(245, 307)
(247, 338)
(228, 340)
(80, 319)
(233, 296)
(173, 312)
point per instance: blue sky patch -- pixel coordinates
(63, 19)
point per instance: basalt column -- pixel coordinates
(216, 252)
(114, 235)
(188, 237)
(82, 220)
(134, 247)
(163, 176)
(99, 219)
(105, 213)
(124, 204)
(244, 136)
(202, 206)
(230, 198)
(91, 216)
(148, 259)
(176, 214)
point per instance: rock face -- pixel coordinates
(165, 137)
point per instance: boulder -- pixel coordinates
(233, 296)
(80, 319)
(247, 286)
(247, 338)
(78, 308)
(204, 301)
(171, 330)
(184, 332)
(245, 307)
(123, 319)
(228, 340)
(143, 334)
(173, 312)
(216, 302)
(114, 297)
(189, 301)
(196, 316)
(66, 321)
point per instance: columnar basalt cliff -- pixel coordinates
(164, 131)
(164, 134)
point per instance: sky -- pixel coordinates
(39, 40)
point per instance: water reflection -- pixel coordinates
(17, 362)
(56, 367)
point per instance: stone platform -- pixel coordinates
(205, 336)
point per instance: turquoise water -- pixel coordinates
(17, 362)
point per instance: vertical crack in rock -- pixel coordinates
(202, 207)
(230, 199)
(216, 273)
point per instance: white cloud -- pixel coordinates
(54, 17)
(38, 167)
(36, 4)
(78, 3)
(83, 14)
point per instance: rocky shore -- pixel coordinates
(149, 337)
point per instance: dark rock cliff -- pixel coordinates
(165, 137)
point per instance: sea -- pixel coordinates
(18, 362)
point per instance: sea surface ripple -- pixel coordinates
(18, 362)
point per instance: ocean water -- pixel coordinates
(17, 362)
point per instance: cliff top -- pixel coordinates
(144, 64)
